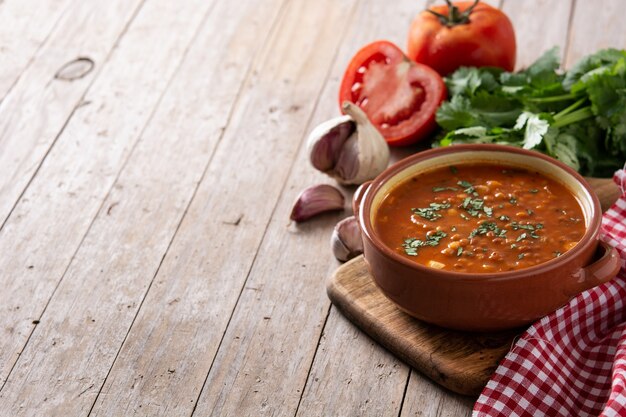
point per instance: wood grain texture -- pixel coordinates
(459, 361)
(148, 268)
(50, 221)
(135, 225)
(426, 399)
(206, 267)
(365, 381)
(539, 25)
(595, 25)
(25, 27)
(36, 110)
(273, 377)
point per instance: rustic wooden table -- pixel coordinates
(150, 151)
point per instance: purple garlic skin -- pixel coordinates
(348, 148)
(346, 241)
(316, 199)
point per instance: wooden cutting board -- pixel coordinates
(460, 361)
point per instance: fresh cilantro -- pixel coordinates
(467, 187)
(440, 189)
(431, 212)
(504, 218)
(487, 227)
(577, 116)
(412, 244)
(520, 256)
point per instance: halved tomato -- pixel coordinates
(399, 96)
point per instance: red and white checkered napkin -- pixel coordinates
(572, 362)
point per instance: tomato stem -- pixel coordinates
(454, 17)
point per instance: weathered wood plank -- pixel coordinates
(286, 312)
(366, 381)
(187, 309)
(50, 221)
(427, 399)
(35, 111)
(96, 302)
(539, 25)
(594, 26)
(25, 27)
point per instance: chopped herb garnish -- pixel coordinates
(486, 227)
(513, 200)
(520, 256)
(463, 216)
(467, 187)
(440, 189)
(521, 237)
(534, 191)
(459, 251)
(501, 206)
(453, 228)
(557, 254)
(453, 169)
(530, 212)
(504, 218)
(517, 226)
(474, 206)
(513, 246)
(411, 245)
(488, 211)
(430, 213)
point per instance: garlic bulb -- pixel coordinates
(315, 200)
(346, 241)
(348, 148)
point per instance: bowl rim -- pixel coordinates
(591, 233)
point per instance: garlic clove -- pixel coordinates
(373, 151)
(346, 241)
(327, 139)
(347, 167)
(348, 148)
(315, 200)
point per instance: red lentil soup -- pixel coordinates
(480, 218)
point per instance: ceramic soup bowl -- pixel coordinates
(484, 301)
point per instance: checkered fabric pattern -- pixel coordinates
(572, 362)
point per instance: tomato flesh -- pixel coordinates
(399, 97)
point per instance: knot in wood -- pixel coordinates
(75, 69)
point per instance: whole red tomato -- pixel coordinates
(465, 33)
(399, 96)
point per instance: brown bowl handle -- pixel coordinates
(358, 197)
(600, 271)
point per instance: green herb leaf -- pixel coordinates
(430, 212)
(411, 245)
(440, 189)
